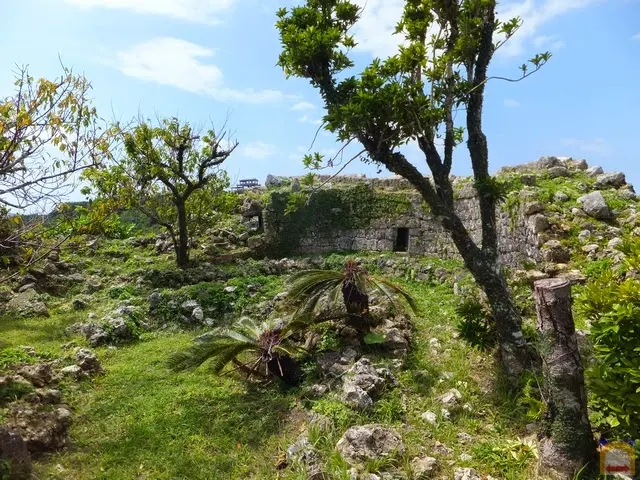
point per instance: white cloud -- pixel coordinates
(301, 106)
(374, 30)
(535, 14)
(597, 145)
(200, 11)
(636, 36)
(511, 103)
(552, 42)
(178, 63)
(308, 119)
(257, 150)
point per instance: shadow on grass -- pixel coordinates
(143, 421)
(35, 331)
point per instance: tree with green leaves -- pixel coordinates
(49, 131)
(440, 69)
(171, 174)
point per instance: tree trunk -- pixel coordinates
(516, 355)
(568, 444)
(182, 248)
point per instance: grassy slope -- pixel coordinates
(142, 421)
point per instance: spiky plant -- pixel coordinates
(354, 284)
(257, 349)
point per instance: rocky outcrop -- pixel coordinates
(369, 442)
(15, 454)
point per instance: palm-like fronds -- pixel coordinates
(267, 342)
(307, 288)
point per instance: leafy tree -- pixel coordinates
(171, 174)
(440, 70)
(352, 285)
(611, 303)
(49, 131)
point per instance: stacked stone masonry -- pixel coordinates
(519, 230)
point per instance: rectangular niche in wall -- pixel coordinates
(401, 243)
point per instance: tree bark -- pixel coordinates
(182, 248)
(568, 444)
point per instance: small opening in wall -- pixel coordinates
(402, 240)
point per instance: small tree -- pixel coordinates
(440, 69)
(171, 174)
(49, 131)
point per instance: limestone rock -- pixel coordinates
(451, 398)
(423, 467)
(561, 197)
(14, 450)
(559, 171)
(538, 223)
(466, 474)
(250, 208)
(613, 179)
(88, 362)
(39, 375)
(369, 442)
(41, 429)
(595, 205)
(272, 181)
(533, 207)
(429, 417)
(335, 364)
(27, 303)
(594, 171)
(362, 384)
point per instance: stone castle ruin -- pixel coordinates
(350, 213)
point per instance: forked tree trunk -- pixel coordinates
(182, 248)
(568, 444)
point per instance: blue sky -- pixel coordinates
(206, 60)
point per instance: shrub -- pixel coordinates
(612, 304)
(476, 324)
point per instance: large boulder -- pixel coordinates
(39, 375)
(362, 384)
(250, 208)
(42, 430)
(369, 442)
(594, 205)
(272, 181)
(27, 303)
(14, 451)
(613, 179)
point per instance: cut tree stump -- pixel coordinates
(568, 444)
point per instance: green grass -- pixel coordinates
(141, 420)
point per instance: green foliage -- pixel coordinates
(271, 354)
(14, 356)
(336, 410)
(171, 174)
(531, 398)
(308, 288)
(49, 130)
(14, 390)
(611, 303)
(327, 211)
(405, 95)
(507, 458)
(476, 325)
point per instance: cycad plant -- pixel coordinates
(258, 349)
(353, 283)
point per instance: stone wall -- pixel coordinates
(517, 239)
